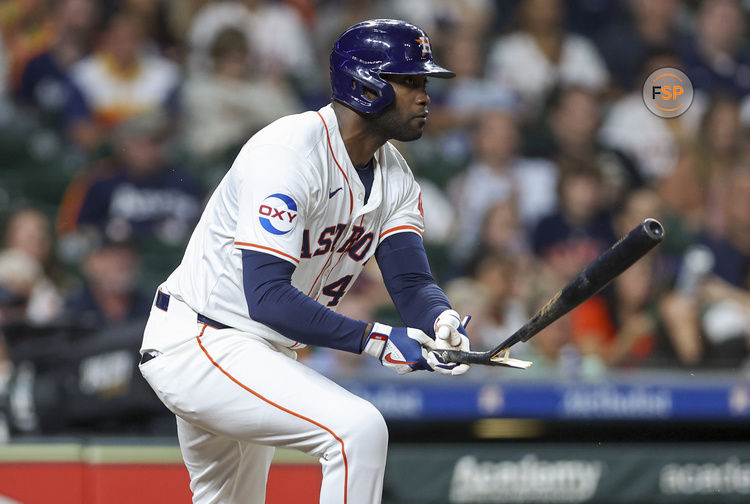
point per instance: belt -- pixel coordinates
(162, 302)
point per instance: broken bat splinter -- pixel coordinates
(505, 360)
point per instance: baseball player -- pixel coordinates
(308, 200)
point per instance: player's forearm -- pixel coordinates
(312, 323)
(419, 304)
(407, 276)
(271, 299)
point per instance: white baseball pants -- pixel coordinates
(236, 397)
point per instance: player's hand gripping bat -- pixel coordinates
(588, 282)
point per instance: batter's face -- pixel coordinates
(404, 119)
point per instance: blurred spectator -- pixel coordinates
(439, 214)
(332, 18)
(28, 30)
(462, 99)
(650, 141)
(732, 252)
(28, 254)
(717, 59)
(19, 275)
(719, 154)
(121, 79)
(551, 351)
(225, 107)
(573, 121)
(632, 301)
(154, 17)
(140, 196)
(682, 194)
(625, 43)
(502, 236)
(45, 84)
(460, 16)
(502, 232)
(631, 306)
(109, 294)
(29, 232)
(4, 64)
(499, 174)
(744, 117)
(579, 230)
(506, 279)
(588, 16)
(710, 325)
(276, 35)
(541, 55)
(456, 106)
(570, 238)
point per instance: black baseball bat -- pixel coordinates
(588, 282)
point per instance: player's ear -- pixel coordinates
(369, 93)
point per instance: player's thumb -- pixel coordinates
(443, 332)
(449, 335)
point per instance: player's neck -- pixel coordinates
(360, 141)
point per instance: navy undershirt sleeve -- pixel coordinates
(367, 176)
(407, 276)
(273, 301)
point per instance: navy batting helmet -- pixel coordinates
(380, 46)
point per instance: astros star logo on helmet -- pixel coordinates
(424, 42)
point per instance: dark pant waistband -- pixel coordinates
(162, 302)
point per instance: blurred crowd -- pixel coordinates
(119, 117)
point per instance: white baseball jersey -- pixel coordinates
(292, 192)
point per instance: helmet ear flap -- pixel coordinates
(350, 81)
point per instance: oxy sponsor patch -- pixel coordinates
(278, 214)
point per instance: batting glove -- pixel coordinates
(450, 334)
(404, 349)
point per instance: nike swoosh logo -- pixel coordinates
(333, 193)
(390, 359)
